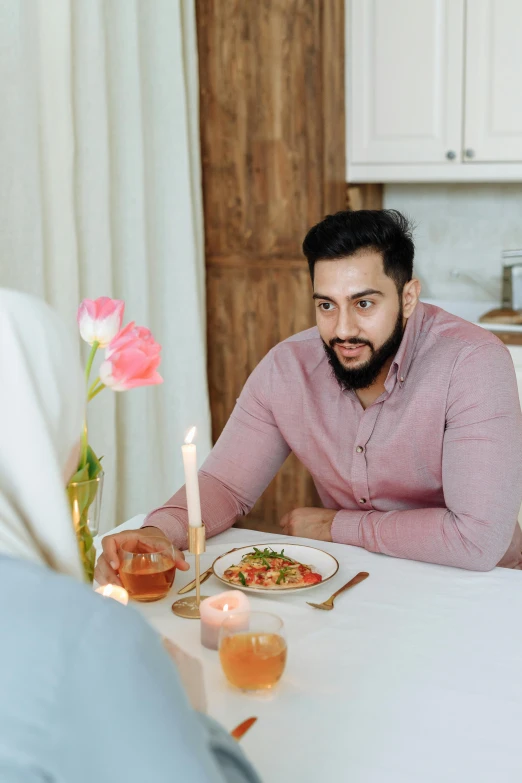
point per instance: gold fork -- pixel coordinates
(329, 604)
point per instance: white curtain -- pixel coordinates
(100, 195)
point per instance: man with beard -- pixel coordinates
(407, 417)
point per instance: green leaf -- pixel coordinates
(242, 579)
(281, 577)
(87, 551)
(283, 574)
(262, 555)
(81, 492)
(86, 536)
(93, 463)
(82, 474)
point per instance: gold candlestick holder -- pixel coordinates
(189, 607)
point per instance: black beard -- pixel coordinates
(364, 376)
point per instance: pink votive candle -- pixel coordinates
(213, 611)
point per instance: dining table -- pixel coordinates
(413, 677)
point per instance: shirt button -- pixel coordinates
(362, 500)
(359, 449)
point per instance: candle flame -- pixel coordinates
(225, 608)
(113, 591)
(190, 435)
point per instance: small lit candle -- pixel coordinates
(114, 591)
(215, 609)
(190, 465)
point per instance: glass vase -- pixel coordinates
(85, 499)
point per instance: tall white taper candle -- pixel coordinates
(191, 479)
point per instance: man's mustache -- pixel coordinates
(351, 341)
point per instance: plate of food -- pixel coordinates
(275, 567)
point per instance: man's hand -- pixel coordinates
(150, 538)
(309, 523)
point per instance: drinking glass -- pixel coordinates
(252, 650)
(147, 570)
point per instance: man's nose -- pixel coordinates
(346, 326)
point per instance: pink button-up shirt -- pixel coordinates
(432, 470)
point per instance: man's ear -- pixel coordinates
(410, 296)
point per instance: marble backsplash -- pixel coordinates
(461, 231)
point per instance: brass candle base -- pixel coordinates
(189, 607)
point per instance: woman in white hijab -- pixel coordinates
(61, 644)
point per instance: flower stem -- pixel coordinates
(85, 444)
(92, 387)
(90, 360)
(88, 368)
(94, 392)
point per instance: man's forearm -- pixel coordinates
(219, 511)
(434, 535)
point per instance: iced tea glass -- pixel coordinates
(147, 570)
(252, 650)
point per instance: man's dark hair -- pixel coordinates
(343, 234)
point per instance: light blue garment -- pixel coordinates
(88, 695)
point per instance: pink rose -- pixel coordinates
(131, 360)
(100, 319)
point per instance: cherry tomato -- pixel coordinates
(312, 579)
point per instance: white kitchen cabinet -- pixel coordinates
(405, 114)
(434, 90)
(493, 93)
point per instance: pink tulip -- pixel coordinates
(131, 360)
(100, 319)
(128, 336)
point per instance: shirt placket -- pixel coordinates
(360, 486)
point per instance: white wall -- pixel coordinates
(463, 227)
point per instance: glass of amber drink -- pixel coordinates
(252, 650)
(147, 570)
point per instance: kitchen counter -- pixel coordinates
(471, 311)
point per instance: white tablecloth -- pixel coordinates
(415, 677)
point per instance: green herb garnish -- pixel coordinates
(258, 555)
(262, 555)
(242, 579)
(282, 575)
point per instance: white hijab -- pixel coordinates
(42, 402)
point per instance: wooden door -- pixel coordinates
(272, 140)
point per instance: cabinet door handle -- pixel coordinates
(469, 153)
(451, 154)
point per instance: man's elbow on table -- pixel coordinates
(490, 544)
(481, 561)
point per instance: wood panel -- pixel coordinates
(252, 307)
(367, 196)
(273, 161)
(262, 123)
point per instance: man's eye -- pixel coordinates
(364, 304)
(326, 307)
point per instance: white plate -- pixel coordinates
(321, 562)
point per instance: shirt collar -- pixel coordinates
(403, 358)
